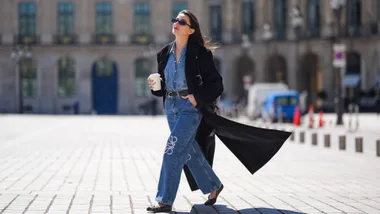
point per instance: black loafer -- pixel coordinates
(159, 209)
(212, 201)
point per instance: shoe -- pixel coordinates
(159, 209)
(212, 201)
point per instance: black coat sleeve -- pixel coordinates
(212, 86)
(161, 92)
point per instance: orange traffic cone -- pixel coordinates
(311, 116)
(296, 117)
(321, 122)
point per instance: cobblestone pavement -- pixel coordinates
(89, 164)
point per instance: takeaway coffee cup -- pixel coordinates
(157, 81)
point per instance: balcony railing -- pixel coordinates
(142, 39)
(104, 39)
(65, 39)
(26, 39)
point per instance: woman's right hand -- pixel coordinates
(151, 83)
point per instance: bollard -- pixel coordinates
(359, 144)
(342, 142)
(292, 136)
(302, 137)
(378, 148)
(314, 139)
(327, 140)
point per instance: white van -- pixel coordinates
(257, 94)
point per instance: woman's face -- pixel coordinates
(182, 26)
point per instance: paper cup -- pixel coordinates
(157, 82)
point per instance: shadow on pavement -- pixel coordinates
(201, 209)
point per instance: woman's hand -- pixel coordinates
(152, 83)
(191, 99)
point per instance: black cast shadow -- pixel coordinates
(202, 209)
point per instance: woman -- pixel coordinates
(190, 82)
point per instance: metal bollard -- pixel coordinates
(314, 139)
(327, 140)
(359, 144)
(302, 137)
(292, 136)
(342, 142)
(378, 148)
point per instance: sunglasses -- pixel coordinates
(180, 22)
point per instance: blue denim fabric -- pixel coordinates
(175, 79)
(181, 149)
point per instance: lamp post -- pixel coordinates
(337, 7)
(267, 36)
(246, 76)
(297, 23)
(17, 55)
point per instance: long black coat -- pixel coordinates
(253, 146)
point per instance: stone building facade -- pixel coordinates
(99, 53)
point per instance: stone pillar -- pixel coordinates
(327, 19)
(123, 21)
(85, 25)
(200, 10)
(84, 62)
(228, 20)
(9, 13)
(259, 18)
(46, 14)
(47, 75)
(160, 16)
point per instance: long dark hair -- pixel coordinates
(197, 37)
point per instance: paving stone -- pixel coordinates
(104, 164)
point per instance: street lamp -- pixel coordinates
(337, 7)
(267, 35)
(297, 23)
(17, 55)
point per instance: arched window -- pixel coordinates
(143, 68)
(66, 77)
(28, 77)
(104, 67)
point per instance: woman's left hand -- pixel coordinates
(191, 99)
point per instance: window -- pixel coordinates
(65, 18)
(313, 18)
(27, 22)
(353, 17)
(280, 18)
(216, 22)
(104, 67)
(28, 78)
(178, 7)
(248, 19)
(143, 68)
(141, 21)
(104, 18)
(66, 77)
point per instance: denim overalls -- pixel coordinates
(181, 148)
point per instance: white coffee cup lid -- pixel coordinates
(155, 74)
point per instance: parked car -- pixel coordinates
(280, 106)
